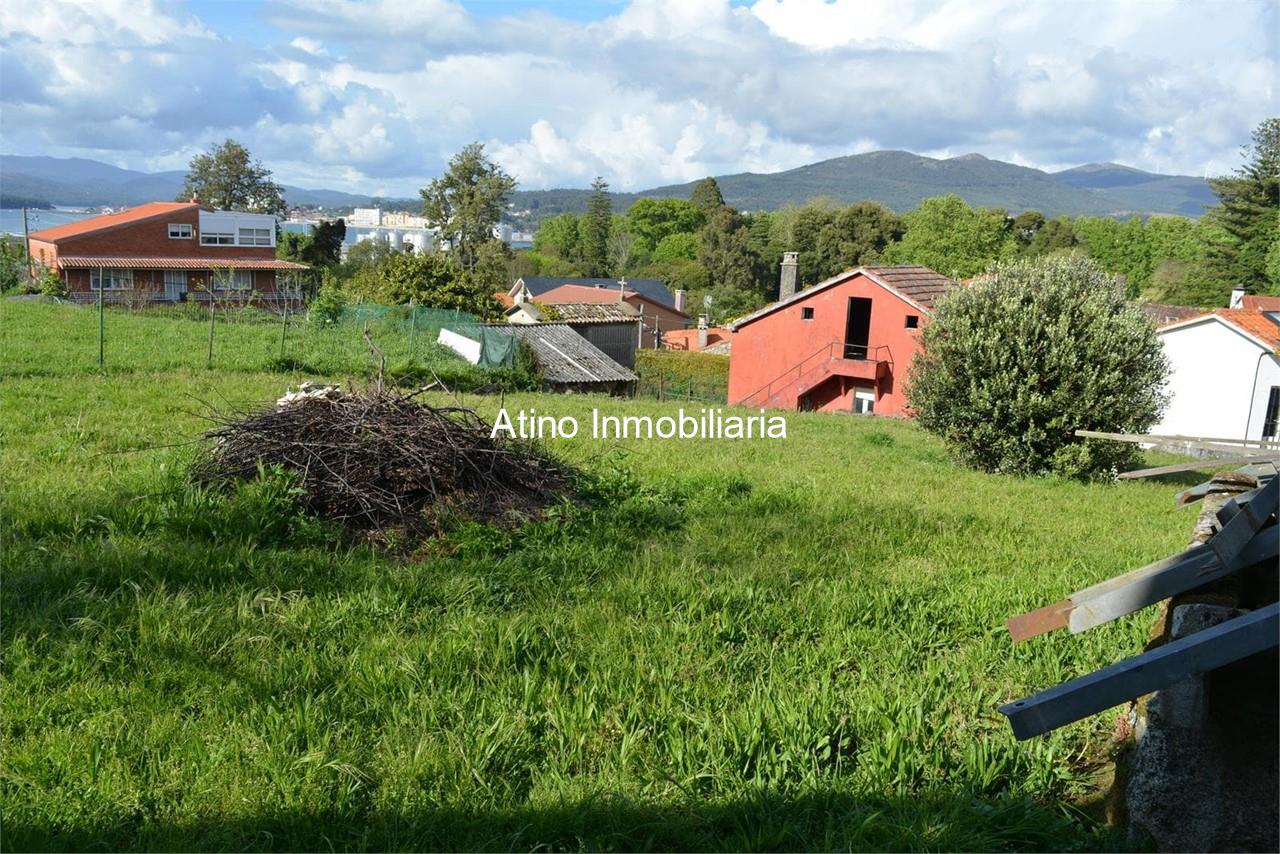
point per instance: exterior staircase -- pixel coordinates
(787, 390)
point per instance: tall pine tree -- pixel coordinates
(594, 230)
(1249, 213)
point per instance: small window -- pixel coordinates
(1272, 423)
(913, 321)
(217, 238)
(179, 231)
(110, 279)
(806, 313)
(255, 237)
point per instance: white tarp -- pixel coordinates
(461, 344)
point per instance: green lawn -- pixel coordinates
(775, 645)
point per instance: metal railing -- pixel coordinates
(868, 354)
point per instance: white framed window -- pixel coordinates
(179, 231)
(233, 280)
(255, 237)
(217, 238)
(110, 278)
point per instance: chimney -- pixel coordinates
(1237, 296)
(681, 294)
(702, 332)
(790, 263)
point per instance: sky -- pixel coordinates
(374, 97)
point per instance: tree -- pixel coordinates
(558, 237)
(466, 203)
(1249, 200)
(654, 220)
(1013, 364)
(320, 247)
(619, 247)
(956, 240)
(227, 178)
(706, 196)
(327, 238)
(681, 246)
(594, 229)
(1056, 235)
(725, 251)
(857, 234)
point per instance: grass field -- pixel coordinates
(794, 644)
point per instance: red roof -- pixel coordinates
(180, 263)
(111, 220)
(592, 294)
(1254, 323)
(1256, 302)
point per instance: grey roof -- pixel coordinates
(654, 289)
(565, 356)
(595, 312)
(918, 284)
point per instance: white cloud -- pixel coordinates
(376, 96)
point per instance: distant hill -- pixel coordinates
(900, 180)
(77, 181)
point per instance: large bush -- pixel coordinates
(1013, 364)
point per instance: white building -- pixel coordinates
(1224, 379)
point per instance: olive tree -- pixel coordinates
(1013, 364)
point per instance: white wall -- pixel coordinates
(230, 222)
(1268, 376)
(1211, 382)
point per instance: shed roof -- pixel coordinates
(1161, 314)
(917, 284)
(565, 356)
(111, 220)
(595, 312)
(653, 289)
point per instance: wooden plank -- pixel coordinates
(1161, 667)
(1221, 462)
(1147, 585)
(1152, 439)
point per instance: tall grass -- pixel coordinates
(793, 644)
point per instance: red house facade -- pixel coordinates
(168, 252)
(843, 344)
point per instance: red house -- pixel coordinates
(843, 344)
(168, 251)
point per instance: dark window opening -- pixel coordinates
(1273, 414)
(857, 329)
(806, 313)
(913, 321)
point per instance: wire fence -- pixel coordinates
(674, 386)
(48, 338)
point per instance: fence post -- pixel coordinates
(102, 350)
(284, 329)
(209, 362)
(413, 326)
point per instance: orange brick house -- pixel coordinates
(168, 252)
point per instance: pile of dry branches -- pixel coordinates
(375, 459)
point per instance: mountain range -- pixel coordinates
(76, 181)
(897, 179)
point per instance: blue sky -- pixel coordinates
(374, 95)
